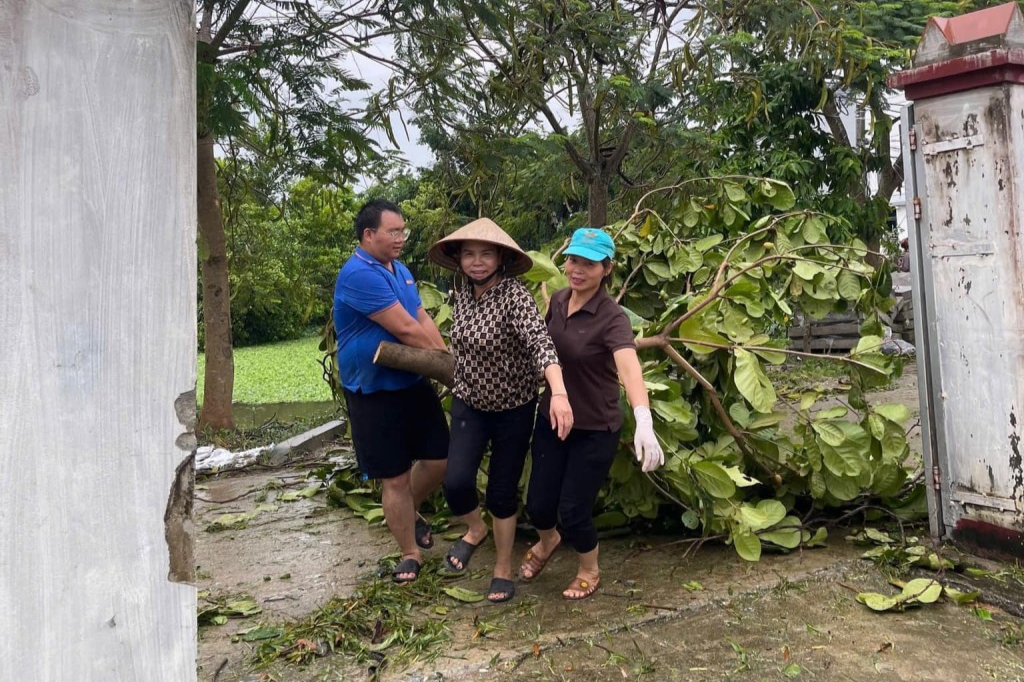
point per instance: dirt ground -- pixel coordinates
(657, 616)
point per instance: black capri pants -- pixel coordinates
(565, 478)
(508, 433)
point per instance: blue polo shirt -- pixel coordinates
(365, 287)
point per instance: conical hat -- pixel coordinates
(444, 252)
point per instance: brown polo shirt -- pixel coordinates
(585, 343)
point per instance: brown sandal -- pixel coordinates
(533, 563)
(578, 584)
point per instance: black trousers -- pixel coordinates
(508, 433)
(565, 478)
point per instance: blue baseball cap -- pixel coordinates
(591, 243)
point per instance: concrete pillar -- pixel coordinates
(964, 140)
(97, 340)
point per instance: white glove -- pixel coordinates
(648, 452)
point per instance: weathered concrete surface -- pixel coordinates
(644, 622)
(643, 611)
(97, 339)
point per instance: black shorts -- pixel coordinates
(391, 429)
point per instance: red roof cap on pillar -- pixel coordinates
(966, 52)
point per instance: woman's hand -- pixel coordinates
(560, 415)
(648, 452)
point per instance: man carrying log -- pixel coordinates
(398, 427)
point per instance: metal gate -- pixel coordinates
(964, 152)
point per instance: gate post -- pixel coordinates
(964, 147)
(97, 340)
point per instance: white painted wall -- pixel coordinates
(97, 336)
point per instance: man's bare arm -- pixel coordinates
(407, 330)
(427, 322)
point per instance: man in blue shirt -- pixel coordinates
(399, 430)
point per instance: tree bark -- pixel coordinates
(597, 209)
(219, 379)
(433, 364)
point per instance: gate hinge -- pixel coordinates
(912, 139)
(936, 478)
(917, 208)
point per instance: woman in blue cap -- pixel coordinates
(594, 341)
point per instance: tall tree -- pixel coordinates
(270, 82)
(497, 71)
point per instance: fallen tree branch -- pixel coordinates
(433, 364)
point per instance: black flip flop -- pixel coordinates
(501, 585)
(463, 551)
(423, 531)
(406, 566)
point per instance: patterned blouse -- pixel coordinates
(500, 345)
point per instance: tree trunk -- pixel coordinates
(597, 208)
(219, 380)
(432, 364)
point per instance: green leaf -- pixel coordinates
(739, 478)
(849, 285)
(813, 230)
(819, 539)
(735, 192)
(293, 495)
(430, 296)
(766, 420)
(982, 613)
(868, 344)
(543, 270)
(707, 243)
(958, 597)
(878, 602)
(834, 412)
(690, 519)
(783, 198)
(894, 412)
(752, 382)
(714, 479)
(661, 270)
(695, 330)
(748, 546)
(807, 270)
(841, 487)
(773, 357)
(829, 432)
(791, 670)
(878, 536)
(675, 411)
(766, 514)
(788, 534)
(924, 590)
(463, 595)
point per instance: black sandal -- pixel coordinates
(424, 536)
(463, 551)
(501, 585)
(406, 566)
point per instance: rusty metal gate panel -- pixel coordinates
(966, 153)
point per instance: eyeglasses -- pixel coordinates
(398, 235)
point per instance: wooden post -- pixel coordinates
(433, 364)
(97, 340)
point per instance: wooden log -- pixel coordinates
(827, 343)
(846, 328)
(433, 364)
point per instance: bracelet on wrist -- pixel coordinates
(557, 394)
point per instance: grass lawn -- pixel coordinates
(283, 372)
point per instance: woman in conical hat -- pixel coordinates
(500, 346)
